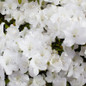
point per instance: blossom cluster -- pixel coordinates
(42, 42)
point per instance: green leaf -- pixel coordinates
(34, 1)
(6, 80)
(84, 59)
(2, 18)
(12, 21)
(72, 47)
(19, 1)
(7, 24)
(21, 27)
(57, 45)
(84, 85)
(38, 1)
(43, 72)
(31, 0)
(78, 49)
(68, 84)
(27, 25)
(49, 84)
(59, 5)
(43, 5)
(2, 0)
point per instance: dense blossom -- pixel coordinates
(42, 42)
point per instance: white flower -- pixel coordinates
(66, 61)
(8, 62)
(33, 70)
(74, 33)
(30, 53)
(83, 5)
(9, 6)
(78, 82)
(84, 65)
(70, 52)
(37, 63)
(76, 69)
(2, 83)
(59, 82)
(1, 5)
(23, 64)
(83, 51)
(55, 64)
(19, 16)
(51, 76)
(38, 81)
(17, 79)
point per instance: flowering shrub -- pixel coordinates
(42, 42)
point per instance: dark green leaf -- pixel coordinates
(2, 0)
(19, 1)
(7, 24)
(27, 25)
(31, 0)
(84, 59)
(43, 72)
(4, 28)
(57, 45)
(72, 46)
(49, 84)
(12, 21)
(1, 18)
(68, 84)
(34, 1)
(21, 27)
(59, 5)
(84, 85)
(6, 80)
(78, 49)
(38, 1)
(30, 59)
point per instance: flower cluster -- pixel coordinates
(42, 42)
